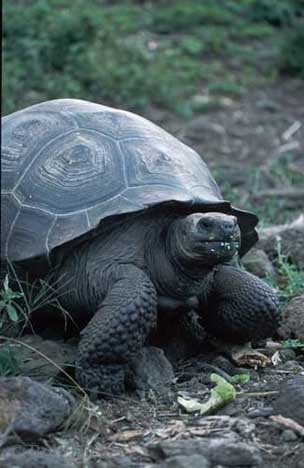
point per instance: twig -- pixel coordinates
(254, 394)
(289, 423)
(88, 445)
(291, 130)
(292, 145)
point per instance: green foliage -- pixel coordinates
(133, 54)
(9, 307)
(240, 378)
(273, 174)
(9, 365)
(184, 16)
(292, 53)
(293, 344)
(89, 52)
(291, 279)
(275, 12)
(18, 305)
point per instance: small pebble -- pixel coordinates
(289, 436)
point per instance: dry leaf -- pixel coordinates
(126, 436)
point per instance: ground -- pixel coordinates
(245, 145)
(211, 75)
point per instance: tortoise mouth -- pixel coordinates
(217, 248)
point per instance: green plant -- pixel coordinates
(292, 279)
(18, 305)
(275, 12)
(291, 60)
(131, 54)
(9, 365)
(293, 344)
(9, 306)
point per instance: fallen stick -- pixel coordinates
(289, 423)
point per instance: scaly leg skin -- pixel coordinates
(240, 307)
(116, 332)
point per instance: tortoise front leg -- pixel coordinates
(117, 331)
(240, 306)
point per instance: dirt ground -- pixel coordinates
(252, 146)
(238, 140)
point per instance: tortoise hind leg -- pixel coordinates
(241, 307)
(116, 332)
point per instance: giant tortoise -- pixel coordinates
(130, 219)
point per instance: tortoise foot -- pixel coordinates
(102, 380)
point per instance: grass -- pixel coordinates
(294, 344)
(136, 54)
(291, 280)
(9, 307)
(275, 174)
(9, 365)
(19, 302)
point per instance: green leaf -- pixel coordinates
(293, 344)
(223, 388)
(5, 283)
(12, 313)
(240, 378)
(15, 295)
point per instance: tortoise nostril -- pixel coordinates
(229, 226)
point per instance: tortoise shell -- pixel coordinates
(67, 164)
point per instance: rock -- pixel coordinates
(201, 129)
(268, 105)
(183, 461)
(31, 409)
(151, 370)
(115, 462)
(257, 262)
(290, 400)
(288, 237)
(33, 459)
(30, 351)
(221, 451)
(292, 323)
(286, 355)
(289, 436)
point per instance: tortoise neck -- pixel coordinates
(191, 267)
(172, 274)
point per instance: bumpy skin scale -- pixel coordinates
(241, 306)
(121, 277)
(79, 185)
(117, 331)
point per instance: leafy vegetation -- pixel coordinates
(275, 174)
(18, 305)
(9, 365)
(9, 307)
(291, 279)
(292, 54)
(293, 344)
(135, 54)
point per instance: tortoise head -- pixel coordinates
(206, 238)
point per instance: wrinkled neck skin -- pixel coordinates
(187, 263)
(174, 272)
